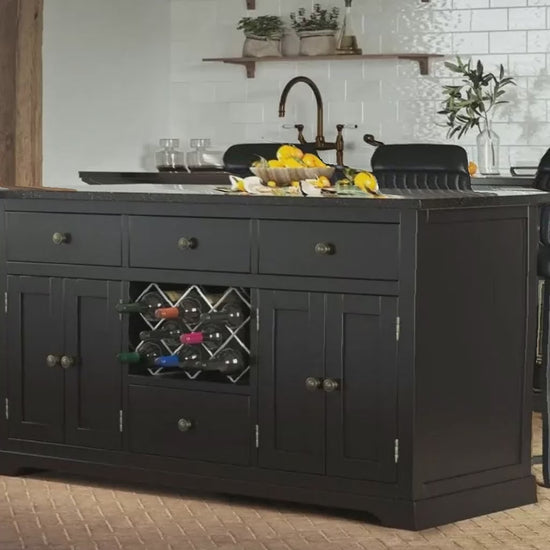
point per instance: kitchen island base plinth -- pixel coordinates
(388, 512)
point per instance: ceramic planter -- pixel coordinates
(317, 42)
(259, 46)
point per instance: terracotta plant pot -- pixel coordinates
(317, 42)
(258, 46)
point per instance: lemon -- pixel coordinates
(295, 183)
(366, 181)
(472, 168)
(322, 182)
(312, 161)
(239, 185)
(289, 151)
(273, 163)
(292, 162)
(272, 183)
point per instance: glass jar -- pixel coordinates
(347, 39)
(169, 158)
(201, 158)
(488, 144)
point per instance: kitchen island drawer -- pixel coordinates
(63, 238)
(203, 244)
(349, 250)
(198, 425)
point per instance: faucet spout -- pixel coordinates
(319, 138)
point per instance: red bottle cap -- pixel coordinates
(167, 313)
(192, 338)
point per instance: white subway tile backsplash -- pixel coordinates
(538, 41)
(508, 42)
(470, 42)
(490, 20)
(387, 98)
(527, 18)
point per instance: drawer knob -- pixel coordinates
(187, 243)
(60, 238)
(53, 360)
(184, 424)
(330, 385)
(67, 361)
(313, 384)
(325, 249)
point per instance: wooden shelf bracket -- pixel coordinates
(250, 4)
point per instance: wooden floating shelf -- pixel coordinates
(251, 4)
(423, 59)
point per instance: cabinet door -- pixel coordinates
(362, 411)
(34, 331)
(291, 349)
(93, 384)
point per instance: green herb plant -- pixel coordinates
(318, 20)
(265, 26)
(467, 104)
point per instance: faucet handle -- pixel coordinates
(300, 128)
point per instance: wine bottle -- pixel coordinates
(170, 331)
(146, 305)
(186, 358)
(189, 310)
(211, 336)
(231, 314)
(146, 354)
(227, 361)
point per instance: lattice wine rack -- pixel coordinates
(212, 299)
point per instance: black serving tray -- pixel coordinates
(210, 177)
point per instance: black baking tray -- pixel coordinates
(210, 177)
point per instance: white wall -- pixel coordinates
(106, 85)
(110, 91)
(386, 98)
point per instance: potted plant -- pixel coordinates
(316, 30)
(263, 35)
(471, 105)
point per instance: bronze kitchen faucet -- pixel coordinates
(320, 143)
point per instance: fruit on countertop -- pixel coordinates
(362, 180)
(472, 168)
(366, 181)
(289, 151)
(292, 165)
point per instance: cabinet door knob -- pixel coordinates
(330, 385)
(185, 243)
(313, 384)
(184, 424)
(325, 249)
(60, 238)
(67, 361)
(53, 360)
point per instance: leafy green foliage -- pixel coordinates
(265, 26)
(318, 20)
(467, 104)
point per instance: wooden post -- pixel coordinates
(8, 45)
(21, 92)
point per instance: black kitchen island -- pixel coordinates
(389, 346)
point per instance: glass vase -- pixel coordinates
(488, 144)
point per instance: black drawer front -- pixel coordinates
(348, 250)
(220, 424)
(85, 238)
(216, 244)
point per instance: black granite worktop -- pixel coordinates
(401, 199)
